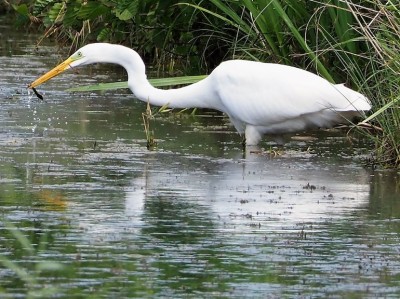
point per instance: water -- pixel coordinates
(192, 218)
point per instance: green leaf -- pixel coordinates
(21, 9)
(104, 34)
(56, 12)
(91, 10)
(71, 16)
(23, 16)
(160, 82)
(124, 15)
(40, 5)
(100, 87)
(127, 11)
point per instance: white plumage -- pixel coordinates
(259, 98)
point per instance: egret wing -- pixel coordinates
(264, 94)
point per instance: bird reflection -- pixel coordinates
(243, 193)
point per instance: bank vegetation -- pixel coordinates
(355, 42)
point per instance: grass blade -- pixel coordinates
(160, 82)
(19, 271)
(380, 110)
(321, 68)
(22, 239)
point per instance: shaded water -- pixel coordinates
(193, 218)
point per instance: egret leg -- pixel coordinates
(252, 135)
(244, 143)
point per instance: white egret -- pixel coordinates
(259, 98)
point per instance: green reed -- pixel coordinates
(356, 42)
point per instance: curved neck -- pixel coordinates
(197, 95)
(200, 95)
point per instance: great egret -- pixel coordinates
(259, 98)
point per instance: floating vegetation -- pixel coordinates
(147, 116)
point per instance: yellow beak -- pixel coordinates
(50, 74)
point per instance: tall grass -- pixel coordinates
(376, 71)
(356, 42)
(381, 27)
(287, 31)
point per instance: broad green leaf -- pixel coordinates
(56, 13)
(22, 9)
(127, 10)
(71, 16)
(104, 34)
(92, 10)
(40, 5)
(100, 87)
(160, 82)
(124, 15)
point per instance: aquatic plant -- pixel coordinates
(380, 27)
(147, 117)
(29, 273)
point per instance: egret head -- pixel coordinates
(81, 57)
(97, 52)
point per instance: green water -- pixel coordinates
(192, 218)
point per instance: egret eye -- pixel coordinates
(80, 54)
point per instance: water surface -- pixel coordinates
(191, 218)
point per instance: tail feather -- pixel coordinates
(357, 101)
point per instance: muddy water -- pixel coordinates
(102, 216)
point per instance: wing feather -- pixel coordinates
(264, 94)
